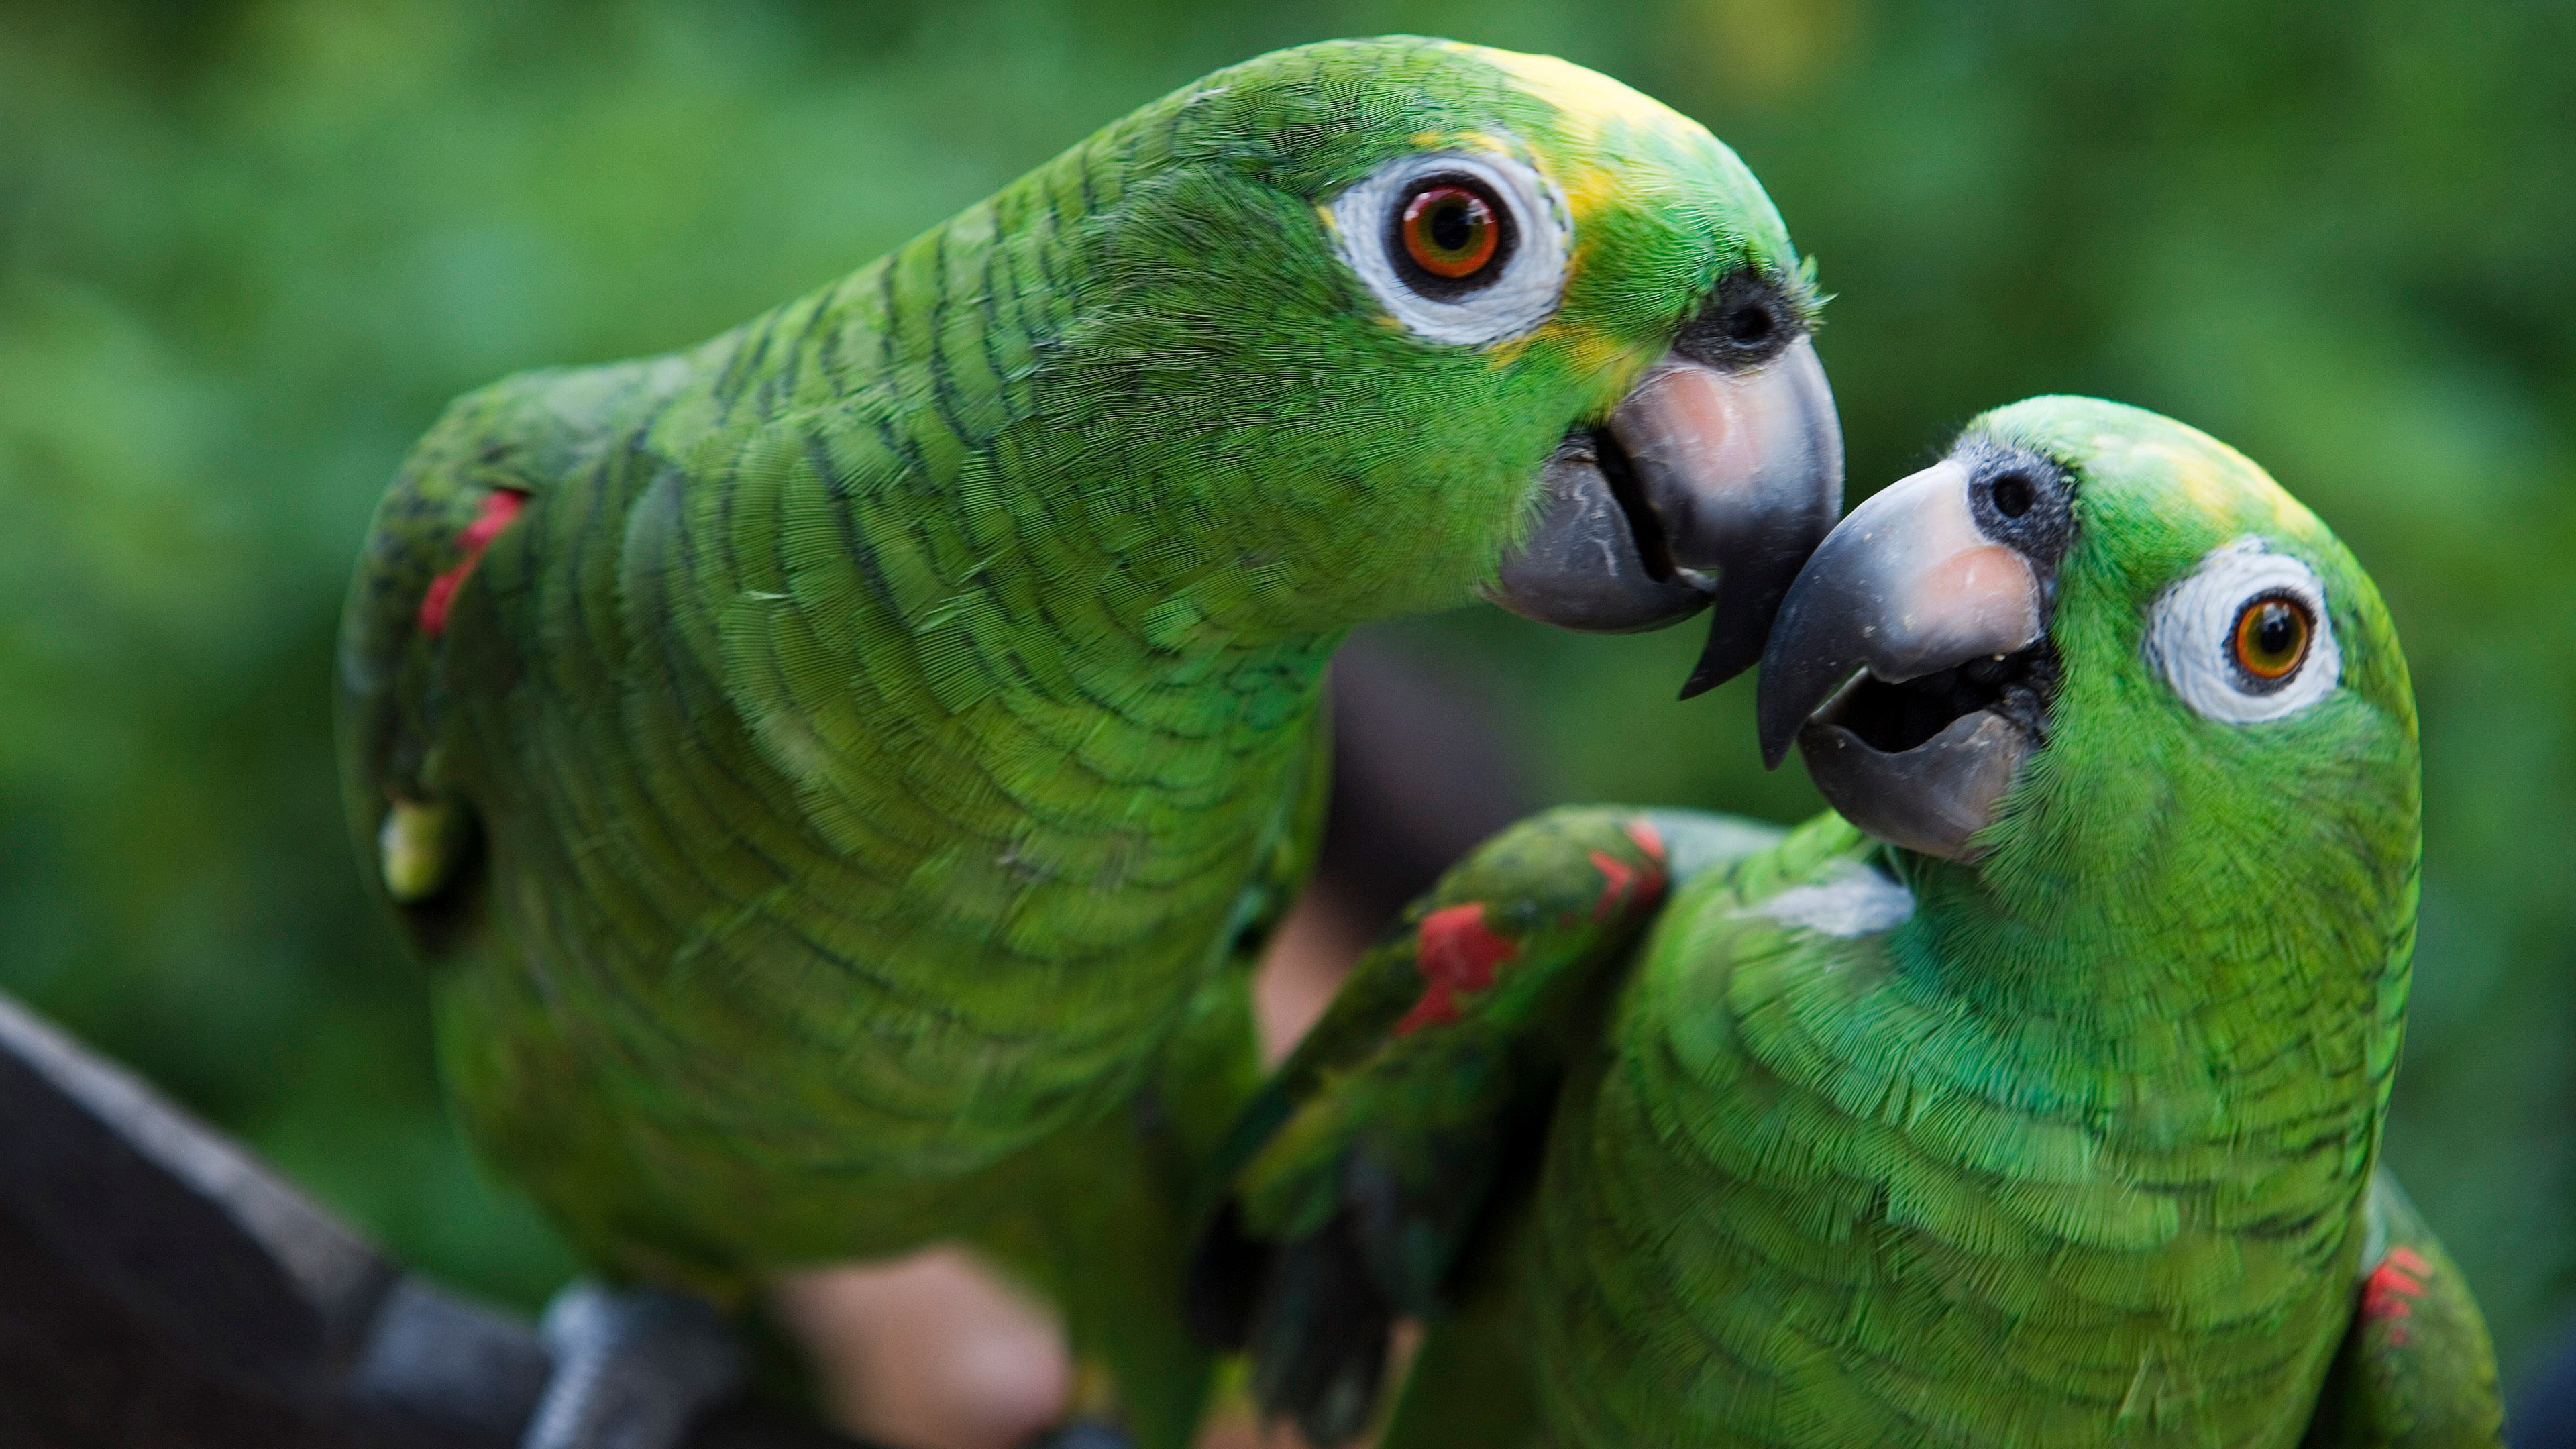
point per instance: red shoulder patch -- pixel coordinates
(2387, 1293)
(499, 507)
(1455, 954)
(1623, 885)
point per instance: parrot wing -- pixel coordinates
(491, 452)
(1108, 1231)
(2416, 1370)
(1363, 1172)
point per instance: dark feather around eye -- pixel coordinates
(1752, 319)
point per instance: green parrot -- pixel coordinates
(842, 771)
(2034, 1099)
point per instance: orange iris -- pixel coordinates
(1450, 231)
(2271, 638)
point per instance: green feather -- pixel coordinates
(888, 727)
(2072, 1145)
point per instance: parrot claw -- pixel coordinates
(634, 1368)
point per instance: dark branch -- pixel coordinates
(160, 1286)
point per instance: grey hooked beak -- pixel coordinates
(1703, 486)
(1906, 662)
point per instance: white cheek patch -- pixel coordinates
(1856, 902)
(2191, 631)
(1533, 278)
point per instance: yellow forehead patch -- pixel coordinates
(2224, 483)
(1589, 100)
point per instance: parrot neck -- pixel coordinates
(1061, 444)
(2165, 980)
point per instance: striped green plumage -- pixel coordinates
(1961, 1228)
(886, 721)
(2076, 1153)
(2072, 1145)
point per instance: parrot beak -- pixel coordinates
(1911, 660)
(1703, 486)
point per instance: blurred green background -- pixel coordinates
(248, 247)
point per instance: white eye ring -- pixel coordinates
(1533, 274)
(2191, 635)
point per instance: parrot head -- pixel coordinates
(2093, 643)
(1431, 320)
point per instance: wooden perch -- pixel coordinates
(160, 1287)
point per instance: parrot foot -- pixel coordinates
(1083, 1434)
(634, 1367)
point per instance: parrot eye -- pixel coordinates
(1453, 234)
(1462, 249)
(2271, 639)
(2246, 637)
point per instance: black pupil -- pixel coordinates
(1452, 225)
(2276, 630)
(1750, 324)
(2012, 495)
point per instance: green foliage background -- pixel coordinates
(248, 247)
